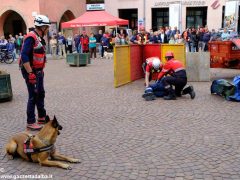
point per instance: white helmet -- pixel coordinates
(156, 63)
(41, 20)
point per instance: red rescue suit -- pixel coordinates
(178, 76)
(153, 72)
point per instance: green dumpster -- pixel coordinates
(73, 59)
(5, 87)
(84, 59)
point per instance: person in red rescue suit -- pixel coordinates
(84, 42)
(32, 63)
(152, 67)
(177, 78)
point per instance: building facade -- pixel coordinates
(155, 13)
(18, 15)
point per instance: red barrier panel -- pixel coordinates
(136, 62)
(150, 50)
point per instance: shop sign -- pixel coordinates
(185, 3)
(94, 7)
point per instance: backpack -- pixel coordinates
(223, 88)
(236, 82)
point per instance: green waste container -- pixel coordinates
(5, 87)
(84, 59)
(73, 59)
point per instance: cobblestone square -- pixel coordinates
(118, 135)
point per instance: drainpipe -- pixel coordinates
(144, 13)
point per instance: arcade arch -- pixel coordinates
(12, 23)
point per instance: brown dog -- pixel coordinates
(40, 147)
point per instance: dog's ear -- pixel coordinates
(47, 119)
(55, 122)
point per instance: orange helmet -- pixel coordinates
(169, 54)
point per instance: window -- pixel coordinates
(196, 16)
(160, 17)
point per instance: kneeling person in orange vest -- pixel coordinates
(177, 78)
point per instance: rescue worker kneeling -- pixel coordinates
(177, 78)
(152, 67)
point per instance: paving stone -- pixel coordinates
(118, 135)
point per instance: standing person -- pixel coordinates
(98, 38)
(18, 44)
(92, 46)
(162, 37)
(53, 45)
(206, 39)
(105, 44)
(84, 42)
(77, 43)
(69, 44)
(61, 45)
(177, 78)
(32, 63)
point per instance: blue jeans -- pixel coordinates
(79, 48)
(100, 49)
(158, 89)
(36, 95)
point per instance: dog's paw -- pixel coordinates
(10, 157)
(75, 161)
(66, 166)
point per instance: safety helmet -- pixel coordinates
(156, 63)
(41, 20)
(169, 54)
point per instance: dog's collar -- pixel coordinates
(29, 150)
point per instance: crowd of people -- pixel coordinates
(195, 39)
(82, 43)
(12, 44)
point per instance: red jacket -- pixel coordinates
(172, 66)
(150, 68)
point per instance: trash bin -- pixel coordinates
(84, 59)
(73, 59)
(5, 87)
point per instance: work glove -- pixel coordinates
(32, 78)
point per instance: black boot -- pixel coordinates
(189, 90)
(147, 94)
(150, 97)
(171, 95)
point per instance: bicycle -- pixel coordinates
(6, 56)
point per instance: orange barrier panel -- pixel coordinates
(223, 54)
(136, 60)
(121, 65)
(150, 50)
(178, 50)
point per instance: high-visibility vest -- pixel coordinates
(39, 51)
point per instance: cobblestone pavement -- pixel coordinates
(118, 135)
